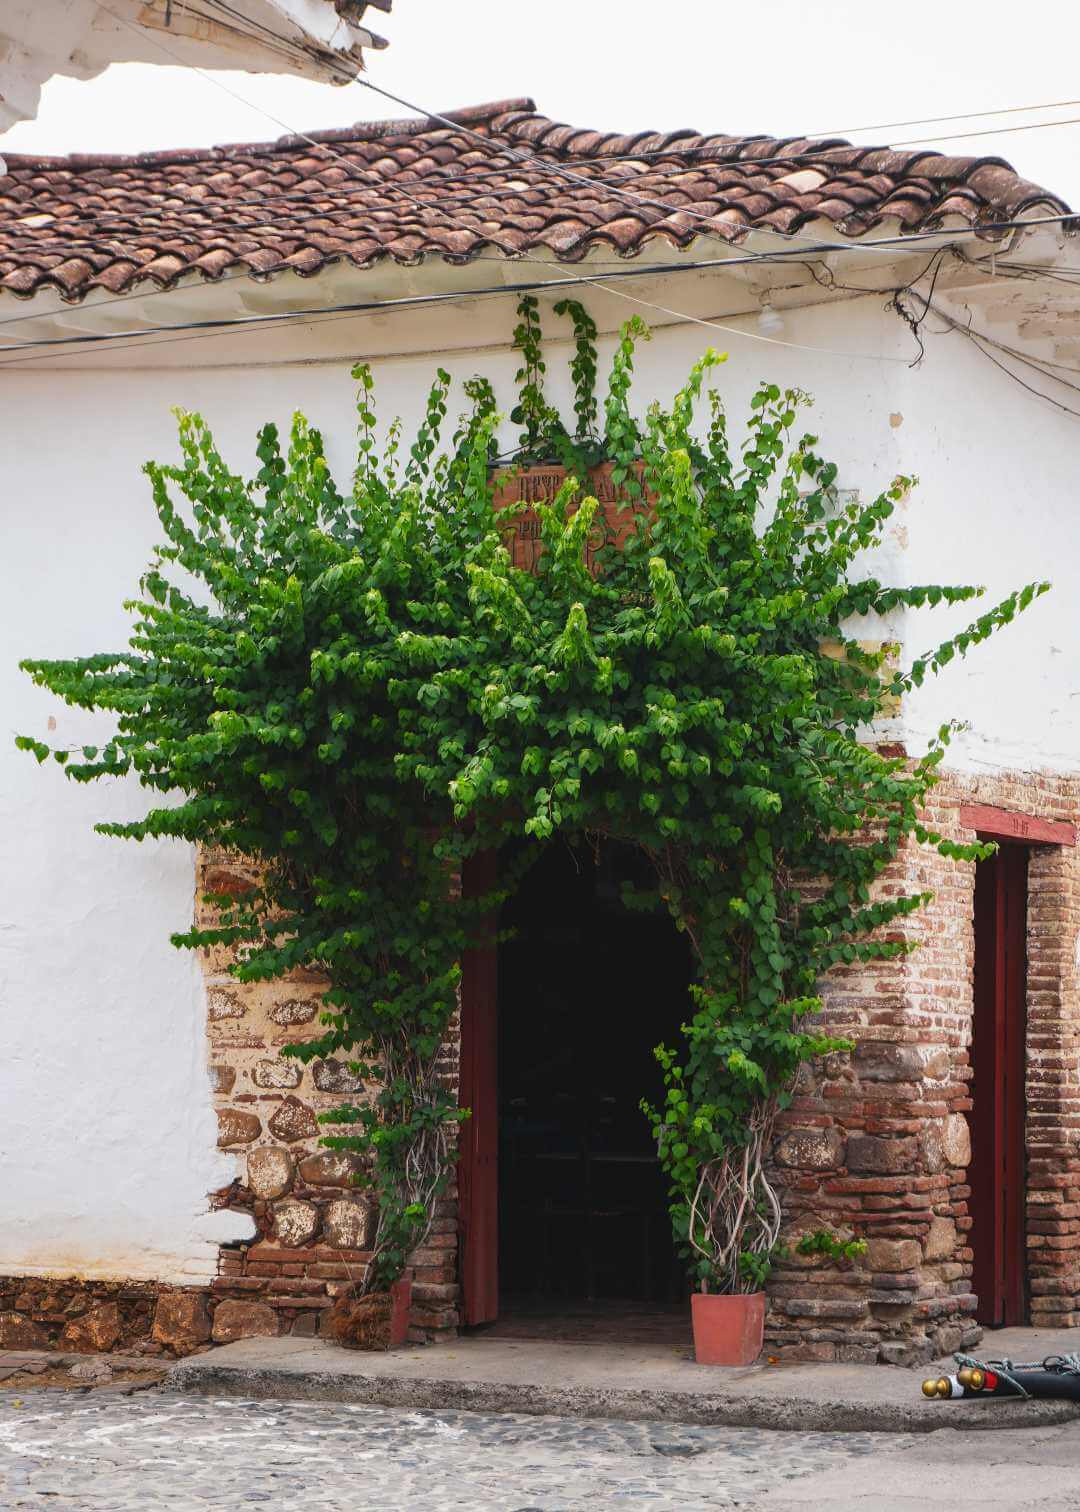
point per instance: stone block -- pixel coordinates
(222, 1079)
(932, 1147)
(243, 1320)
(270, 1171)
(224, 880)
(221, 1003)
(95, 1331)
(331, 1168)
(278, 1073)
(236, 1127)
(295, 1222)
(810, 1149)
(348, 1224)
(293, 1120)
(873, 1153)
(884, 1061)
(333, 1075)
(93, 1372)
(898, 1352)
(294, 1011)
(18, 1332)
(937, 1063)
(181, 1321)
(825, 1307)
(957, 1141)
(894, 1255)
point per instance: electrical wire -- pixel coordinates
(842, 146)
(981, 342)
(527, 158)
(460, 127)
(1049, 398)
(487, 143)
(418, 301)
(716, 325)
(269, 203)
(966, 115)
(225, 324)
(621, 271)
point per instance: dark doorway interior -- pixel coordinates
(586, 988)
(997, 1171)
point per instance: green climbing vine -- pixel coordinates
(360, 690)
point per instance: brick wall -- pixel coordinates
(876, 1145)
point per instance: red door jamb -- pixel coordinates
(478, 1153)
(998, 1065)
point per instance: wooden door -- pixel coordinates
(478, 1154)
(997, 1171)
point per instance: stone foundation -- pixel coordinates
(876, 1144)
(96, 1317)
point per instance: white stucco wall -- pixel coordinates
(107, 1134)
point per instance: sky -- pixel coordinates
(777, 67)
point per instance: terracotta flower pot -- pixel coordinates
(728, 1330)
(400, 1305)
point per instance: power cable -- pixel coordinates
(269, 203)
(487, 143)
(981, 342)
(821, 153)
(227, 323)
(619, 267)
(528, 158)
(965, 115)
(460, 127)
(1017, 379)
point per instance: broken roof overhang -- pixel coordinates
(320, 39)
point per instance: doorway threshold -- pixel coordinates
(579, 1320)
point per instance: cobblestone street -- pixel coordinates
(111, 1453)
(106, 1452)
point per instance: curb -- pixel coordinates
(792, 1414)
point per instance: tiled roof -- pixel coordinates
(501, 178)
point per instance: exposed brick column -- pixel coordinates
(876, 1145)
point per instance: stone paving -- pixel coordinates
(104, 1451)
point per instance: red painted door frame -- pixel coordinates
(997, 1174)
(999, 1060)
(478, 1148)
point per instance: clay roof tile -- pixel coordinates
(500, 174)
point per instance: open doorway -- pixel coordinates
(997, 1173)
(582, 992)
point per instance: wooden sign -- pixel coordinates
(518, 490)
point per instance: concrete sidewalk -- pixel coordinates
(628, 1382)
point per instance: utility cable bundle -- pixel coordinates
(1056, 1376)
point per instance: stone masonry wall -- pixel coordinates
(313, 1225)
(876, 1144)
